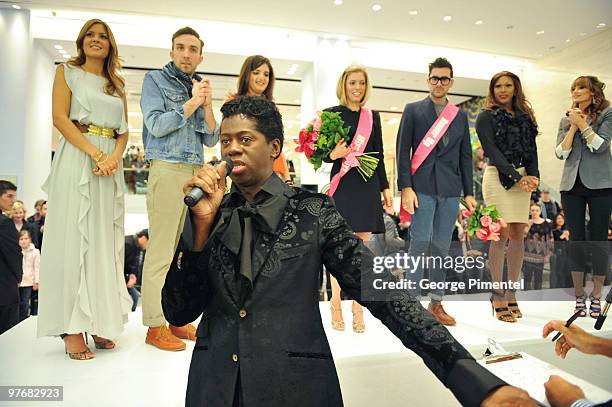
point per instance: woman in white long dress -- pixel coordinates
(81, 267)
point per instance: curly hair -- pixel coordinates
(519, 100)
(115, 85)
(600, 103)
(268, 119)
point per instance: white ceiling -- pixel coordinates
(508, 28)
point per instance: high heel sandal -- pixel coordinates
(581, 306)
(501, 313)
(337, 325)
(82, 355)
(358, 326)
(102, 343)
(513, 306)
(595, 307)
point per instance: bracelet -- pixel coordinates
(98, 157)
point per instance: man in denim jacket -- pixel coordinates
(177, 112)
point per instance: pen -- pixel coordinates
(567, 324)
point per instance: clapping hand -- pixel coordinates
(576, 117)
(202, 92)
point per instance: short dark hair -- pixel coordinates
(143, 233)
(441, 63)
(268, 119)
(188, 31)
(7, 186)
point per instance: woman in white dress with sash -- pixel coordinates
(81, 267)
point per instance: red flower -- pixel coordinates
(306, 142)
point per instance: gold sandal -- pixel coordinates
(86, 354)
(358, 326)
(337, 325)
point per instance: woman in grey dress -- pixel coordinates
(82, 264)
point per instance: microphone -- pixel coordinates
(194, 196)
(602, 317)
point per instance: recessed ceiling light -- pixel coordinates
(57, 46)
(376, 7)
(479, 22)
(582, 34)
(568, 40)
(337, 2)
(540, 32)
(447, 18)
(414, 12)
(601, 25)
(16, 7)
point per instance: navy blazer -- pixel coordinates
(273, 336)
(448, 169)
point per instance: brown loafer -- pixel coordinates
(440, 315)
(184, 332)
(163, 339)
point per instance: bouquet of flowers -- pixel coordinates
(484, 222)
(321, 135)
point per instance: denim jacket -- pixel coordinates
(166, 134)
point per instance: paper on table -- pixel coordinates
(530, 373)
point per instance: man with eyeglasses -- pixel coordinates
(434, 159)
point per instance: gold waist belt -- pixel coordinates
(105, 132)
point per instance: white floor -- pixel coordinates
(374, 368)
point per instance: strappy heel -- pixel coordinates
(501, 313)
(82, 355)
(513, 306)
(102, 343)
(358, 326)
(337, 325)
(580, 306)
(595, 307)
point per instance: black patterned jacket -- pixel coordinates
(273, 337)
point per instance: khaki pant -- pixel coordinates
(166, 220)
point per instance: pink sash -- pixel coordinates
(429, 142)
(358, 145)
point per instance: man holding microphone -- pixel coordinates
(177, 114)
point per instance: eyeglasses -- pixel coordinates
(444, 80)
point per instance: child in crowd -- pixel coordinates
(29, 281)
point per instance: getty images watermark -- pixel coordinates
(402, 263)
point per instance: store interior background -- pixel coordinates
(547, 43)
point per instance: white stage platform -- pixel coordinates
(375, 369)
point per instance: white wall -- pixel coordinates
(547, 85)
(15, 43)
(39, 126)
(26, 79)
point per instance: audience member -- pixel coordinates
(10, 260)
(29, 281)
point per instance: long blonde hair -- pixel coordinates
(341, 85)
(116, 84)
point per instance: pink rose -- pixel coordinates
(316, 124)
(466, 213)
(495, 227)
(485, 221)
(493, 236)
(482, 233)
